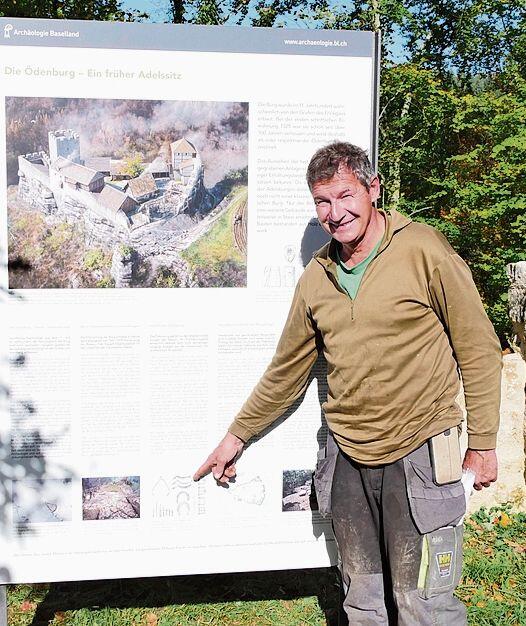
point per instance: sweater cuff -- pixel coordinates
(482, 442)
(240, 431)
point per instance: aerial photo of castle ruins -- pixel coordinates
(126, 193)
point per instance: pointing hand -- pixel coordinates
(222, 460)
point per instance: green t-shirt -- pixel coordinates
(350, 277)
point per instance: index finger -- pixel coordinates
(205, 469)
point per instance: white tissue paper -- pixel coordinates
(468, 480)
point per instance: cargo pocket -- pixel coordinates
(432, 506)
(441, 564)
(324, 474)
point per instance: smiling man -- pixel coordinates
(397, 316)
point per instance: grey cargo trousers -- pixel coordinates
(400, 551)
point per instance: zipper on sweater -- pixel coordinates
(383, 247)
(334, 279)
(335, 282)
(360, 287)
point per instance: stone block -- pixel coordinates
(510, 486)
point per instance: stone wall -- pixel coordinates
(37, 195)
(517, 304)
(511, 441)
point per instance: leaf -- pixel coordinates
(151, 619)
(503, 520)
(27, 606)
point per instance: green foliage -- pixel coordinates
(474, 38)
(389, 16)
(453, 135)
(105, 283)
(111, 10)
(214, 259)
(56, 237)
(126, 251)
(208, 12)
(458, 162)
(211, 251)
(133, 166)
(416, 112)
(95, 259)
(228, 273)
(54, 255)
(166, 278)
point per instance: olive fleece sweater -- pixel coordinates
(393, 353)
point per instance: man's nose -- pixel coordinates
(337, 211)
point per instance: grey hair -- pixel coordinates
(328, 160)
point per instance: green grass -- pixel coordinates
(494, 577)
(493, 588)
(218, 245)
(298, 597)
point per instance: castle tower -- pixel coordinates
(182, 150)
(64, 143)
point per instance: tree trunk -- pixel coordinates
(395, 185)
(177, 11)
(376, 15)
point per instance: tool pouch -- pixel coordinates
(324, 474)
(432, 506)
(441, 564)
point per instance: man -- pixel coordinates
(398, 315)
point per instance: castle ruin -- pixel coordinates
(151, 211)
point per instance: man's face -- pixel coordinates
(344, 206)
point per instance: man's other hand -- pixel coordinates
(221, 461)
(484, 464)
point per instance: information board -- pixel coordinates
(156, 219)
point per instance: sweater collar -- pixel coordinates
(394, 221)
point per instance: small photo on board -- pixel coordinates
(37, 501)
(298, 491)
(111, 498)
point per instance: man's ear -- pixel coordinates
(374, 189)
